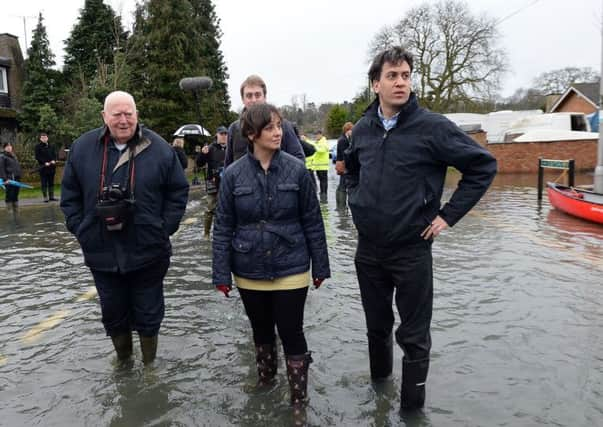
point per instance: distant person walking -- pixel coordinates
(396, 164)
(343, 143)
(320, 160)
(10, 169)
(212, 155)
(178, 146)
(46, 157)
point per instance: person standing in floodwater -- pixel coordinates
(123, 194)
(396, 166)
(10, 169)
(270, 235)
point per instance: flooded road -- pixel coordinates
(517, 330)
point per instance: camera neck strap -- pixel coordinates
(129, 179)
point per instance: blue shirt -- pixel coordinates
(387, 123)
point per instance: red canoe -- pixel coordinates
(577, 202)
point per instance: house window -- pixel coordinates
(3, 81)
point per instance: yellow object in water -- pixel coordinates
(43, 326)
(88, 295)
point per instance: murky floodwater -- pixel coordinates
(517, 330)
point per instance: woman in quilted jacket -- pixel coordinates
(269, 235)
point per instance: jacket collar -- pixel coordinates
(273, 163)
(407, 109)
(138, 142)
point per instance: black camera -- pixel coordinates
(115, 207)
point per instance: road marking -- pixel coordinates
(88, 295)
(35, 332)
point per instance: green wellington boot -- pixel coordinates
(123, 345)
(148, 345)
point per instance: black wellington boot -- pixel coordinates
(381, 358)
(123, 345)
(148, 345)
(414, 375)
(266, 362)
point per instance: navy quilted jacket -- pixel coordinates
(268, 224)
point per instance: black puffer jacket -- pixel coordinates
(161, 193)
(268, 225)
(397, 176)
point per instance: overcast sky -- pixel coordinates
(319, 47)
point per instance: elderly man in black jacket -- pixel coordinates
(123, 194)
(396, 166)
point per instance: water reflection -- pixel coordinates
(516, 329)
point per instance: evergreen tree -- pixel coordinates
(92, 44)
(217, 105)
(336, 118)
(173, 39)
(41, 86)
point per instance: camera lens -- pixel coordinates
(115, 194)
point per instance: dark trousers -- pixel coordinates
(283, 309)
(323, 179)
(47, 183)
(407, 270)
(132, 301)
(343, 184)
(11, 193)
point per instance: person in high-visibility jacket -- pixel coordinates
(320, 160)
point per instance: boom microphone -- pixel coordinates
(195, 83)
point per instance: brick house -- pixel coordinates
(578, 98)
(11, 80)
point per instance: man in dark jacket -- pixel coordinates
(46, 158)
(343, 143)
(123, 194)
(253, 91)
(213, 156)
(396, 167)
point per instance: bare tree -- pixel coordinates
(557, 81)
(456, 57)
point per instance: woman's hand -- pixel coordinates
(317, 282)
(225, 289)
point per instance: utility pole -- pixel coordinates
(598, 181)
(24, 18)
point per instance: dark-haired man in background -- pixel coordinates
(253, 91)
(46, 157)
